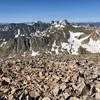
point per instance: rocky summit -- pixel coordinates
(50, 77)
(55, 37)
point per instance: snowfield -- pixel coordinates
(92, 46)
(74, 43)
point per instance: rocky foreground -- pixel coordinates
(50, 77)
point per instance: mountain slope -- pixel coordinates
(54, 37)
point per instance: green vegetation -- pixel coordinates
(82, 50)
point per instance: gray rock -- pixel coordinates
(74, 98)
(97, 96)
(46, 98)
(56, 90)
(63, 86)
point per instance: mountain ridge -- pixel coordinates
(54, 37)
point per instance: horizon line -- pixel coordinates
(49, 21)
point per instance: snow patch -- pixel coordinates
(22, 35)
(76, 26)
(59, 26)
(34, 53)
(17, 35)
(3, 43)
(74, 42)
(98, 32)
(55, 48)
(64, 45)
(92, 46)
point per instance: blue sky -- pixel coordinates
(46, 10)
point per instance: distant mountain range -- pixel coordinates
(54, 37)
(80, 23)
(89, 23)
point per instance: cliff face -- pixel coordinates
(21, 44)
